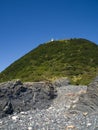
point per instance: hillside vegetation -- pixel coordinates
(76, 59)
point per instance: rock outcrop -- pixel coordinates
(71, 107)
(16, 96)
(88, 102)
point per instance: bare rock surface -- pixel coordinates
(88, 102)
(16, 96)
(63, 112)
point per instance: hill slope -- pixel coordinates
(74, 58)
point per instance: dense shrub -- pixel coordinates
(74, 58)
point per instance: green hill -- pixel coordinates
(76, 59)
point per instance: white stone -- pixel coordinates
(89, 124)
(14, 118)
(29, 128)
(22, 112)
(76, 100)
(1, 122)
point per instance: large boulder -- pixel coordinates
(16, 96)
(88, 102)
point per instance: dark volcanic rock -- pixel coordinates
(8, 108)
(16, 96)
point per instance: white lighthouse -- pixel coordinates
(52, 39)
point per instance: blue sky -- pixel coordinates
(24, 24)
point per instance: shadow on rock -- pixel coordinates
(17, 96)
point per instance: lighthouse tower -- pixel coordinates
(52, 39)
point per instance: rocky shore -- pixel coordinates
(48, 106)
(16, 96)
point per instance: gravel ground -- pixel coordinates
(50, 119)
(59, 116)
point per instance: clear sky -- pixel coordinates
(24, 24)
